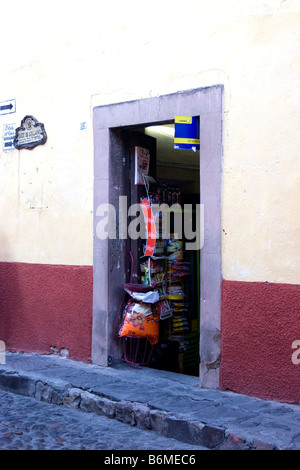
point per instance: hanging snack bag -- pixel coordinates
(140, 320)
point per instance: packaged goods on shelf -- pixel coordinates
(168, 272)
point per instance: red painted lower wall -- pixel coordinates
(46, 306)
(260, 322)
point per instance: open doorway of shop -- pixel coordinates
(173, 179)
(110, 124)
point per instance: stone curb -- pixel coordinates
(60, 392)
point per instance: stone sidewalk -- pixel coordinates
(172, 405)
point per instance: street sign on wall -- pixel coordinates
(30, 134)
(7, 107)
(9, 131)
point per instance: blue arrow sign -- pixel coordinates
(7, 107)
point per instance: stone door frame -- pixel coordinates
(108, 265)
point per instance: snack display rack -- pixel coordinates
(160, 313)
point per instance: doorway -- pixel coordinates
(172, 186)
(110, 255)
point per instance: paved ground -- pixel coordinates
(166, 404)
(28, 424)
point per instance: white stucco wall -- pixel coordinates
(60, 60)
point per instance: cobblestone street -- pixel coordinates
(26, 423)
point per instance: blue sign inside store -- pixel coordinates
(187, 133)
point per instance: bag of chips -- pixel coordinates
(140, 320)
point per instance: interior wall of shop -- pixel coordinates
(109, 268)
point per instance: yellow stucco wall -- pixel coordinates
(61, 60)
